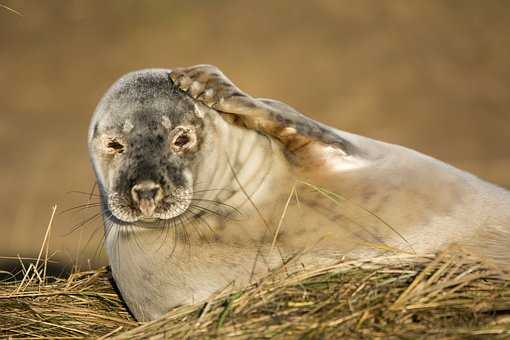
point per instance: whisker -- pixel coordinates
(216, 213)
(165, 230)
(187, 240)
(195, 223)
(175, 236)
(81, 207)
(91, 237)
(83, 193)
(218, 203)
(195, 217)
(181, 232)
(117, 246)
(81, 224)
(133, 234)
(108, 226)
(94, 186)
(208, 190)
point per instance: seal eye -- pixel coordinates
(183, 139)
(114, 146)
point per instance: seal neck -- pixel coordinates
(243, 167)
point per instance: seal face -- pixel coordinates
(142, 154)
(244, 184)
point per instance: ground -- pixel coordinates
(432, 75)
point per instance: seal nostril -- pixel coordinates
(147, 194)
(146, 190)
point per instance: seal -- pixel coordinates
(204, 187)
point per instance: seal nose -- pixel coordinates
(147, 195)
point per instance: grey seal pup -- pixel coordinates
(204, 187)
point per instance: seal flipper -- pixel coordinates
(306, 142)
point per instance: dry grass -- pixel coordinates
(450, 295)
(80, 306)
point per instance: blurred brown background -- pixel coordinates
(431, 75)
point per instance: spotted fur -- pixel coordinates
(261, 184)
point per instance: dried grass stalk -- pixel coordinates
(451, 295)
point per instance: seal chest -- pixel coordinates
(203, 187)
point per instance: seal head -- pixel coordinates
(143, 139)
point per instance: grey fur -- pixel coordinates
(226, 194)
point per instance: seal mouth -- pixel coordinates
(147, 211)
(150, 220)
(147, 207)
